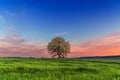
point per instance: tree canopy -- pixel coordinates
(58, 47)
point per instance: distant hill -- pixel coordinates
(102, 57)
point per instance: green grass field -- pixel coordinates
(58, 69)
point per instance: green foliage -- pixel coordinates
(58, 47)
(55, 69)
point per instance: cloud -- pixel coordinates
(15, 46)
(60, 34)
(14, 39)
(109, 45)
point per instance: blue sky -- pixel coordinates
(39, 20)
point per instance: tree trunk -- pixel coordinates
(59, 55)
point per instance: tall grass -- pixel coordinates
(57, 69)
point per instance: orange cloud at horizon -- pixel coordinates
(107, 46)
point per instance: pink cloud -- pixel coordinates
(13, 39)
(109, 45)
(15, 46)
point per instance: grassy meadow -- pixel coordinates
(58, 69)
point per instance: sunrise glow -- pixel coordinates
(91, 26)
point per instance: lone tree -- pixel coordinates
(58, 47)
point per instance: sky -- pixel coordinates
(91, 26)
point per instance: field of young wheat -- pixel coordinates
(58, 69)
